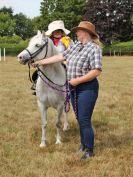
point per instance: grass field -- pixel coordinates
(20, 130)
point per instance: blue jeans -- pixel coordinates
(83, 98)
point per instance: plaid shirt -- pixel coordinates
(82, 58)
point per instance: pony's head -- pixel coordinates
(36, 50)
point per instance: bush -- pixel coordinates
(10, 39)
(13, 44)
(122, 48)
(14, 49)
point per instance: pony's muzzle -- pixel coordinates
(21, 59)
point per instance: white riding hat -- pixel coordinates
(56, 25)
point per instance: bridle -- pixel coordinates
(33, 55)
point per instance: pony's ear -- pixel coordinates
(38, 32)
(43, 33)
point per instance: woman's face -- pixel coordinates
(57, 34)
(82, 35)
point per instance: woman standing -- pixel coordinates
(83, 67)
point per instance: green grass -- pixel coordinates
(20, 130)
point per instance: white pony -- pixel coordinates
(39, 47)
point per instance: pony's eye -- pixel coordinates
(37, 45)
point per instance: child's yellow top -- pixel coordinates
(66, 41)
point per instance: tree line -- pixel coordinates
(113, 18)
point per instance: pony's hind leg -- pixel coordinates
(58, 124)
(43, 112)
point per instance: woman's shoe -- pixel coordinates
(88, 154)
(82, 148)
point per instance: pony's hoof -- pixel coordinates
(58, 142)
(43, 145)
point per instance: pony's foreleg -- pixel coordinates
(66, 123)
(58, 124)
(43, 112)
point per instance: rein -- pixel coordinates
(29, 73)
(49, 79)
(55, 86)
